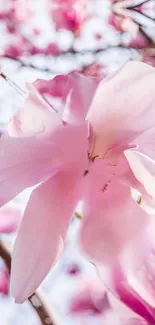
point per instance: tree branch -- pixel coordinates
(38, 300)
(148, 50)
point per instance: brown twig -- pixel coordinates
(73, 52)
(4, 253)
(38, 301)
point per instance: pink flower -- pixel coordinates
(149, 59)
(115, 21)
(52, 49)
(95, 70)
(140, 41)
(10, 216)
(69, 14)
(13, 52)
(4, 280)
(114, 122)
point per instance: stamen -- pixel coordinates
(78, 215)
(85, 172)
(104, 188)
(139, 201)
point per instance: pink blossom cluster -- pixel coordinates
(69, 14)
(73, 16)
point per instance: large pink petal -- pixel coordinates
(46, 218)
(123, 107)
(25, 162)
(143, 168)
(111, 217)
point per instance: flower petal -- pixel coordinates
(128, 295)
(46, 219)
(145, 143)
(54, 87)
(36, 117)
(126, 316)
(78, 96)
(25, 162)
(143, 168)
(118, 114)
(112, 217)
(75, 91)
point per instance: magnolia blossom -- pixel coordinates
(69, 14)
(94, 146)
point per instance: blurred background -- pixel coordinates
(40, 39)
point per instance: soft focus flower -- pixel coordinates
(89, 299)
(10, 216)
(4, 279)
(139, 40)
(97, 301)
(20, 10)
(135, 38)
(95, 70)
(52, 49)
(115, 21)
(69, 14)
(97, 145)
(127, 293)
(13, 51)
(149, 59)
